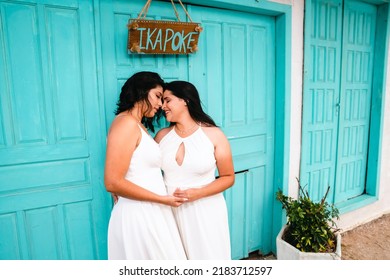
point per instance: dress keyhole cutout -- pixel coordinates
(180, 154)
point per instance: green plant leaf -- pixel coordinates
(311, 225)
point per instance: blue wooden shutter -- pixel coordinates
(355, 99)
(339, 55)
(323, 29)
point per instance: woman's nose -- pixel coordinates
(159, 102)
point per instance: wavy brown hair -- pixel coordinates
(136, 89)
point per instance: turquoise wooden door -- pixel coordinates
(339, 52)
(234, 73)
(355, 99)
(51, 194)
(236, 77)
(321, 95)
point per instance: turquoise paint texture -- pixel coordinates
(51, 150)
(60, 76)
(341, 120)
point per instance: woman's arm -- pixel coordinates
(122, 140)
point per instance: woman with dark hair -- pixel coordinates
(142, 225)
(192, 148)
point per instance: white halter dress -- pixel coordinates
(140, 230)
(203, 224)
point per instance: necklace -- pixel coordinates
(182, 132)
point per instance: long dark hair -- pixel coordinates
(188, 92)
(136, 89)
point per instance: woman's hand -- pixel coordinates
(173, 200)
(114, 197)
(191, 194)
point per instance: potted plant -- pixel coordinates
(310, 232)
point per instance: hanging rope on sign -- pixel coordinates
(162, 37)
(185, 10)
(176, 12)
(198, 28)
(145, 9)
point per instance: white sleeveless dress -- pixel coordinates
(140, 230)
(203, 224)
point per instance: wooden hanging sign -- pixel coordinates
(162, 37)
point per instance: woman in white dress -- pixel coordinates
(142, 225)
(193, 147)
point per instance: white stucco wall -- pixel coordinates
(367, 213)
(296, 93)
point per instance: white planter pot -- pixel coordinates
(285, 251)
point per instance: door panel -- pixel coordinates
(321, 96)
(235, 71)
(355, 101)
(237, 212)
(50, 170)
(248, 208)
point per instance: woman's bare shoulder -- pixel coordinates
(213, 130)
(215, 134)
(124, 124)
(161, 134)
